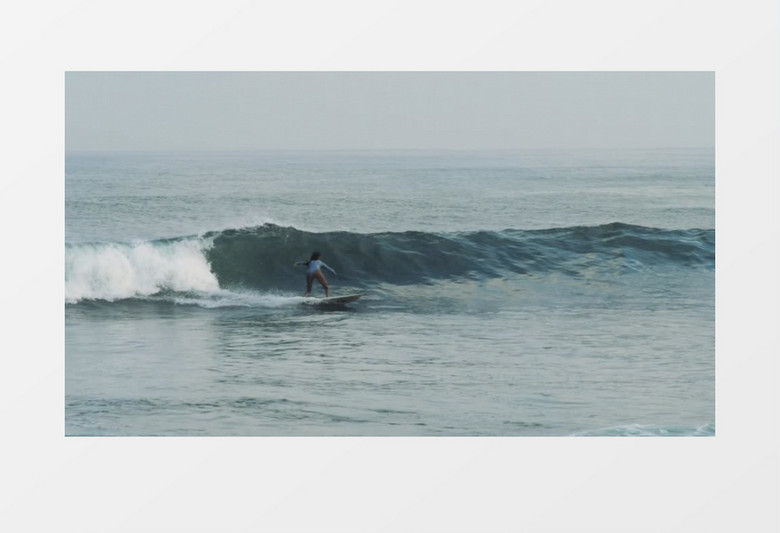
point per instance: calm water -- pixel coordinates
(527, 293)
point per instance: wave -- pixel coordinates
(261, 258)
(640, 430)
(115, 271)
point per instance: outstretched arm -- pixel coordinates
(299, 263)
(326, 266)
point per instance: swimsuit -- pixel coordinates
(315, 265)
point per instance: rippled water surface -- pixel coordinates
(534, 293)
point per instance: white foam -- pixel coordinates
(641, 430)
(224, 298)
(116, 271)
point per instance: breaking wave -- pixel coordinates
(261, 258)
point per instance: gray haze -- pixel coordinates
(387, 110)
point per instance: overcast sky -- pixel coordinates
(387, 110)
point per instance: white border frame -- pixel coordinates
(725, 483)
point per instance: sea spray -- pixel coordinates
(112, 271)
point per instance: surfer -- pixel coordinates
(313, 271)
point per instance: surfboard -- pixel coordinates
(335, 299)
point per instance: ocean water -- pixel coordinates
(529, 293)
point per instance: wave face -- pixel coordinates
(261, 258)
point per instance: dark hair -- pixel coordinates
(314, 256)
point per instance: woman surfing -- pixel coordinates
(313, 271)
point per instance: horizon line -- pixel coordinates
(245, 150)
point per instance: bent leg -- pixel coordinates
(323, 282)
(309, 281)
